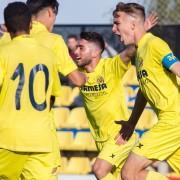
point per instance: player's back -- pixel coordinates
(29, 79)
(56, 44)
(40, 32)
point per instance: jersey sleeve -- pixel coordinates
(163, 53)
(65, 62)
(56, 87)
(118, 66)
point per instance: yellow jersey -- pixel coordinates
(56, 43)
(104, 97)
(28, 77)
(52, 41)
(157, 82)
(5, 38)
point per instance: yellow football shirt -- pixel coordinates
(5, 38)
(28, 77)
(104, 97)
(52, 41)
(157, 83)
(56, 44)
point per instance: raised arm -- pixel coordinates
(151, 21)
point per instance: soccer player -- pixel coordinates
(43, 18)
(157, 68)
(28, 77)
(43, 15)
(72, 41)
(104, 101)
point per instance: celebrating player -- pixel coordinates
(104, 100)
(157, 68)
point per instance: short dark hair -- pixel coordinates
(17, 17)
(130, 8)
(37, 5)
(95, 38)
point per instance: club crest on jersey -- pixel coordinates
(100, 80)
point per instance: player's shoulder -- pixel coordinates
(156, 41)
(110, 60)
(6, 47)
(57, 37)
(45, 50)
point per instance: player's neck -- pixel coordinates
(139, 34)
(91, 67)
(19, 33)
(40, 19)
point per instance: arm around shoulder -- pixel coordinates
(77, 78)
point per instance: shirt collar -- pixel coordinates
(21, 37)
(98, 66)
(37, 27)
(144, 39)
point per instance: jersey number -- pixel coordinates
(20, 72)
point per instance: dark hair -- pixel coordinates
(17, 17)
(130, 8)
(37, 5)
(94, 37)
(72, 36)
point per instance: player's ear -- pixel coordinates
(133, 25)
(50, 12)
(95, 53)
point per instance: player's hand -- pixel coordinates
(125, 133)
(151, 21)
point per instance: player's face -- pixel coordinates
(123, 27)
(83, 53)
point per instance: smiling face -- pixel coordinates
(124, 27)
(84, 53)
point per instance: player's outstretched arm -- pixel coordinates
(151, 21)
(77, 78)
(127, 127)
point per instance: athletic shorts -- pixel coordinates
(116, 154)
(162, 142)
(30, 165)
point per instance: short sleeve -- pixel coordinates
(118, 66)
(169, 60)
(65, 63)
(56, 87)
(163, 53)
